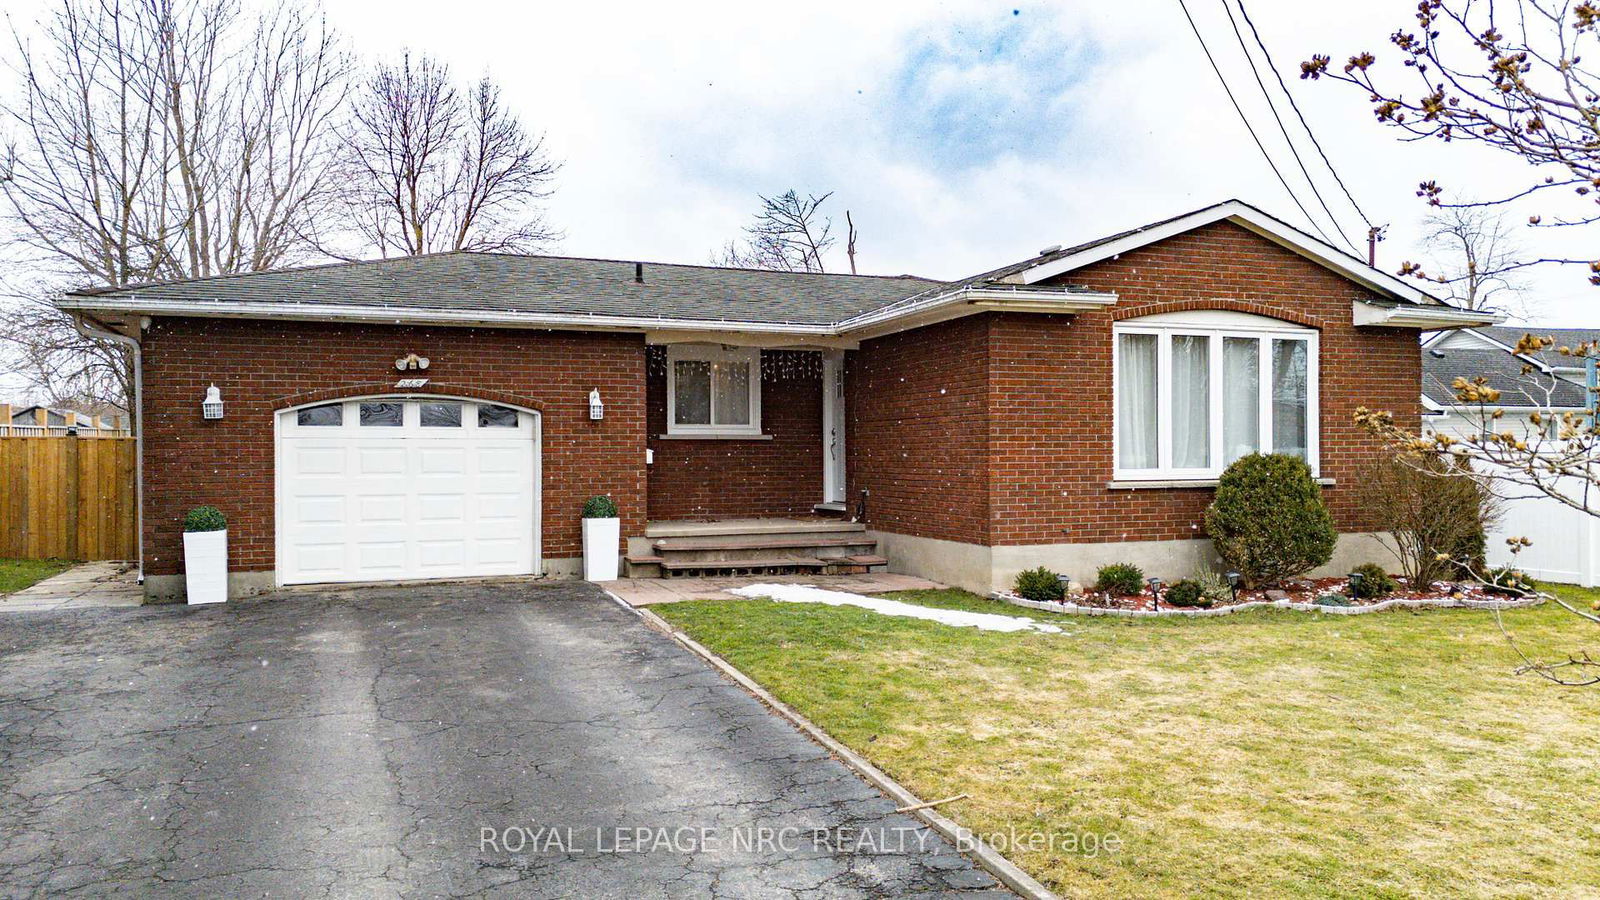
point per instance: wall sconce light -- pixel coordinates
(211, 406)
(597, 410)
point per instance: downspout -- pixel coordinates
(100, 330)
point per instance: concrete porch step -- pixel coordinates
(726, 527)
(687, 545)
(771, 566)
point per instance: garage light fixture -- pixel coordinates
(211, 406)
(597, 410)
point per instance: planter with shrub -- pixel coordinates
(602, 538)
(205, 555)
(1268, 521)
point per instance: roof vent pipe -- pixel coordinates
(638, 273)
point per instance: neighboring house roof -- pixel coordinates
(58, 417)
(1509, 335)
(512, 290)
(1542, 390)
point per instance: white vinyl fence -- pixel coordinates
(1566, 541)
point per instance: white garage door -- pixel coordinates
(384, 489)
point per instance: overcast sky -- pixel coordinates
(962, 135)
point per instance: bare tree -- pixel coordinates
(1515, 77)
(158, 139)
(1475, 260)
(432, 169)
(790, 234)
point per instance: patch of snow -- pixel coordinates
(800, 593)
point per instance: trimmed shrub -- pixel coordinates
(599, 508)
(1375, 582)
(1119, 579)
(205, 518)
(1040, 585)
(1186, 593)
(1268, 521)
(1332, 600)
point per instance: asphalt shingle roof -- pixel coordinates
(1440, 368)
(550, 284)
(1564, 337)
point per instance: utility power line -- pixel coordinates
(1248, 127)
(1282, 129)
(1303, 123)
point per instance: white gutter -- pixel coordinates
(1424, 317)
(137, 417)
(1032, 300)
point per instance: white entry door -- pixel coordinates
(394, 488)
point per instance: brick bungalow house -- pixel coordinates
(1071, 409)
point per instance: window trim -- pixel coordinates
(1215, 328)
(713, 354)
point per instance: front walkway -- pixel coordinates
(87, 586)
(646, 591)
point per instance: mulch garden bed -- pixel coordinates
(1307, 594)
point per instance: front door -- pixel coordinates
(833, 473)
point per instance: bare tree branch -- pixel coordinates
(789, 234)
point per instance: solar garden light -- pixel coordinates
(1355, 583)
(1155, 593)
(1234, 580)
(1066, 583)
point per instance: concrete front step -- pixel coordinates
(746, 527)
(656, 567)
(760, 547)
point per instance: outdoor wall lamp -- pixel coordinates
(211, 406)
(597, 410)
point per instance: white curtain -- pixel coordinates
(1136, 401)
(732, 404)
(1191, 401)
(1289, 383)
(1241, 398)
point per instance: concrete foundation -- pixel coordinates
(171, 589)
(984, 569)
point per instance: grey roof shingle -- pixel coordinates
(1440, 368)
(1564, 337)
(550, 284)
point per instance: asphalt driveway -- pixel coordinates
(525, 740)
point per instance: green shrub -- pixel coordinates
(1436, 509)
(1332, 600)
(1119, 579)
(1268, 521)
(1186, 593)
(599, 508)
(1039, 584)
(1375, 582)
(1213, 587)
(205, 518)
(1506, 580)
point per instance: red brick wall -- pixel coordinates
(1046, 381)
(1052, 375)
(709, 479)
(262, 367)
(917, 431)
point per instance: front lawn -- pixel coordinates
(16, 574)
(1272, 753)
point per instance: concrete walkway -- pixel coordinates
(91, 585)
(647, 591)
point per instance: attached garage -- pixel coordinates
(398, 488)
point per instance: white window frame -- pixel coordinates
(713, 354)
(1215, 325)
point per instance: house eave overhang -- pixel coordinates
(846, 332)
(1424, 318)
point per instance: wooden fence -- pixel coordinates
(67, 498)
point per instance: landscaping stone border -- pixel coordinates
(1072, 609)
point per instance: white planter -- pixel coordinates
(205, 566)
(601, 538)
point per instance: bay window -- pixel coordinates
(1196, 391)
(713, 391)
